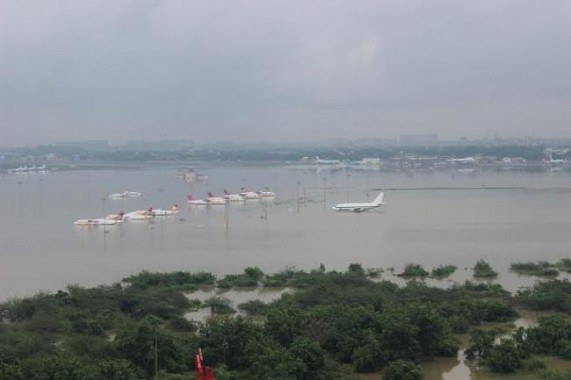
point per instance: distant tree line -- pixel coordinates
(273, 153)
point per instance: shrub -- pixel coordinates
(413, 270)
(483, 270)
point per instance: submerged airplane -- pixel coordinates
(360, 207)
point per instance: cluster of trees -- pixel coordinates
(335, 324)
(542, 268)
(551, 336)
(554, 295)
(350, 152)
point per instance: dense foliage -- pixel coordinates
(540, 268)
(550, 295)
(334, 324)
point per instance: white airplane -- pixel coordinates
(248, 195)
(555, 161)
(233, 197)
(195, 202)
(266, 193)
(160, 212)
(319, 161)
(360, 207)
(139, 215)
(465, 160)
(213, 200)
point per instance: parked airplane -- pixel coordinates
(360, 207)
(248, 195)
(465, 160)
(195, 202)
(160, 212)
(319, 161)
(213, 200)
(555, 161)
(266, 193)
(233, 197)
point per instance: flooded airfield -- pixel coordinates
(430, 218)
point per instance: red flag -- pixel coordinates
(208, 375)
(202, 372)
(198, 366)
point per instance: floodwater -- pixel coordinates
(430, 218)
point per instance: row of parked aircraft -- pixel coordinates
(243, 196)
(113, 219)
(213, 200)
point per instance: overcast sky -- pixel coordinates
(283, 70)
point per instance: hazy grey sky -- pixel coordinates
(283, 70)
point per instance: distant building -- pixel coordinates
(419, 140)
(89, 145)
(224, 144)
(370, 162)
(161, 145)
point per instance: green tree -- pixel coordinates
(402, 370)
(268, 360)
(284, 323)
(311, 355)
(481, 343)
(116, 370)
(367, 357)
(137, 342)
(224, 339)
(504, 357)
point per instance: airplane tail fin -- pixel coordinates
(189, 197)
(226, 192)
(210, 194)
(379, 199)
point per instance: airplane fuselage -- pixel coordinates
(355, 207)
(360, 207)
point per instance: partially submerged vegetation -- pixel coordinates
(540, 268)
(333, 325)
(443, 271)
(552, 295)
(413, 270)
(484, 270)
(551, 336)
